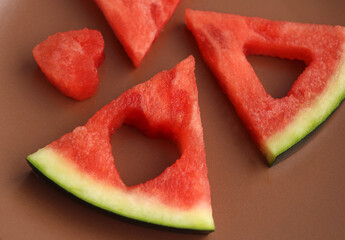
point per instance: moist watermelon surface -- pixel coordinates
(274, 124)
(138, 23)
(70, 61)
(82, 163)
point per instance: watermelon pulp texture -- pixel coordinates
(82, 163)
(70, 60)
(138, 23)
(274, 124)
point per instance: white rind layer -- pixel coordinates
(131, 204)
(309, 118)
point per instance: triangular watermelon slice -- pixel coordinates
(138, 23)
(82, 163)
(275, 124)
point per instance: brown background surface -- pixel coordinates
(303, 197)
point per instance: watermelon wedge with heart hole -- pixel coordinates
(274, 124)
(137, 24)
(81, 162)
(70, 61)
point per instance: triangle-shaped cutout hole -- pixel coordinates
(139, 158)
(277, 75)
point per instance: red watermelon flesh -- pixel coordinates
(82, 163)
(275, 124)
(137, 23)
(70, 61)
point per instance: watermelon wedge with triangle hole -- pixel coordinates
(82, 163)
(274, 124)
(70, 61)
(137, 24)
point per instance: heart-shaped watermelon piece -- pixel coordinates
(70, 61)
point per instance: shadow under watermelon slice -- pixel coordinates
(275, 124)
(81, 162)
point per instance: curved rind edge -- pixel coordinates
(308, 118)
(125, 203)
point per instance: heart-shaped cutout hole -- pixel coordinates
(139, 158)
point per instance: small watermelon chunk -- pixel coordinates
(275, 124)
(137, 24)
(70, 60)
(82, 163)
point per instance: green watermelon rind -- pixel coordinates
(310, 117)
(131, 204)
